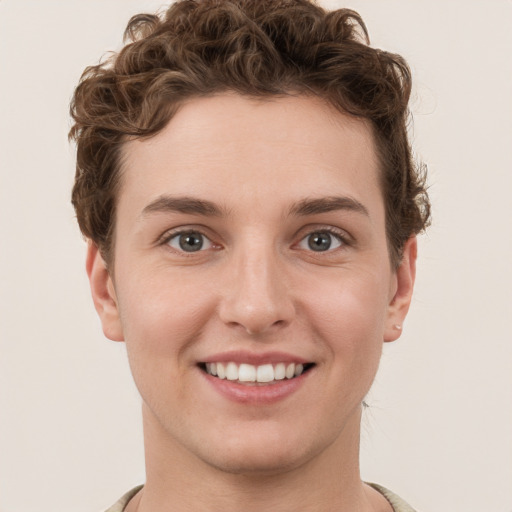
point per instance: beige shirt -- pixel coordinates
(398, 504)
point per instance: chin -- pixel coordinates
(264, 453)
(257, 462)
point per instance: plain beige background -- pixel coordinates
(439, 430)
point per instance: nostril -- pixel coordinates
(253, 328)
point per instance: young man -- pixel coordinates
(245, 183)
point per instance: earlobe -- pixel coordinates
(103, 293)
(401, 300)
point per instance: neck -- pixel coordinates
(178, 480)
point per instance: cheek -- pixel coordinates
(161, 315)
(350, 317)
(158, 301)
(350, 297)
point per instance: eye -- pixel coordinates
(190, 241)
(321, 241)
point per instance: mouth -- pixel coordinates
(255, 375)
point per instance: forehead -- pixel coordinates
(266, 148)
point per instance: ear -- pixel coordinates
(404, 284)
(103, 293)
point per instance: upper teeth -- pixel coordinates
(250, 373)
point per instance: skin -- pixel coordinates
(256, 286)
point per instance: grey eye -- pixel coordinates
(191, 241)
(320, 241)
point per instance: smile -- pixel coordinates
(261, 374)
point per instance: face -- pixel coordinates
(252, 282)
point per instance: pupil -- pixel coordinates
(319, 242)
(191, 242)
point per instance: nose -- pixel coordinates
(256, 296)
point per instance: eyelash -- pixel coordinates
(167, 237)
(339, 235)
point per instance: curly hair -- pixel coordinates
(255, 48)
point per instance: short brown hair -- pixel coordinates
(252, 47)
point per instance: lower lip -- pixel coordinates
(257, 394)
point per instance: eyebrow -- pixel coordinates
(327, 204)
(203, 207)
(184, 204)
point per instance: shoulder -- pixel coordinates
(398, 504)
(120, 505)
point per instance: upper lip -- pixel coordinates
(254, 358)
